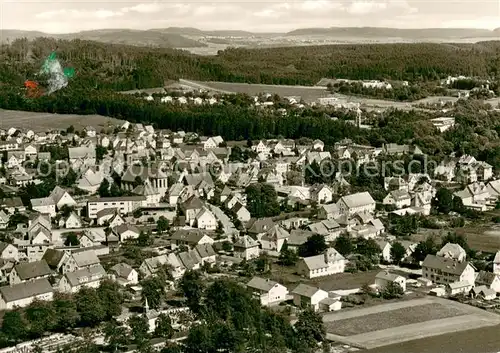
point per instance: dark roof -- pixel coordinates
(188, 235)
(205, 250)
(25, 290)
(261, 225)
(34, 269)
(446, 265)
(53, 257)
(485, 278)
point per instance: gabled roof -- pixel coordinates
(25, 290)
(86, 275)
(122, 270)
(29, 270)
(261, 284)
(57, 194)
(189, 259)
(53, 257)
(192, 236)
(485, 278)
(446, 265)
(358, 200)
(85, 258)
(305, 291)
(386, 275)
(205, 250)
(245, 242)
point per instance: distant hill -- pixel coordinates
(116, 36)
(381, 32)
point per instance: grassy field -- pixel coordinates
(47, 121)
(393, 318)
(397, 322)
(479, 340)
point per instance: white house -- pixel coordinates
(488, 279)
(442, 270)
(126, 231)
(62, 198)
(205, 219)
(398, 198)
(321, 194)
(274, 239)
(326, 264)
(383, 278)
(89, 277)
(355, 203)
(23, 294)
(45, 205)
(307, 296)
(496, 263)
(246, 248)
(9, 252)
(73, 221)
(267, 291)
(124, 274)
(452, 251)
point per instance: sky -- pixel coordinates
(65, 16)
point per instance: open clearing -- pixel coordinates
(397, 322)
(46, 121)
(393, 318)
(479, 340)
(481, 238)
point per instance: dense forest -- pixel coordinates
(121, 67)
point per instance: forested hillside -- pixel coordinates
(122, 67)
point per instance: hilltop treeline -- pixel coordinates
(121, 67)
(476, 132)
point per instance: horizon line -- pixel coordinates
(248, 31)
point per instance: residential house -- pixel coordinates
(126, 231)
(326, 264)
(274, 239)
(246, 248)
(452, 251)
(383, 278)
(82, 157)
(73, 221)
(307, 296)
(62, 198)
(483, 292)
(330, 229)
(205, 219)
(321, 194)
(460, 287)
(90, 180)
(267, 291)
(8, 252)
(4, 219)
(354, 203)
(206, 253)
(488, 279)
(442, 270)
(190, 238)
(398, 198)
(81, 258)
(56, 259)
(89, 277)
(330, 211)
(45, 205)
(386, 247)
(111, 217)
(496, 263)
(241, 212)
(29, 271)
(190, 260)
(476, 196)
(23, 294)
(124, 274)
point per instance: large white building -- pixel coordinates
(326, 264)
(356, 203)
(442, 270)
(23, 294)
(124, 205)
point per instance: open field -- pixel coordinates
(481, 238)
(47, 121)
(476, 340)
(397, 322)
(393, 318)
